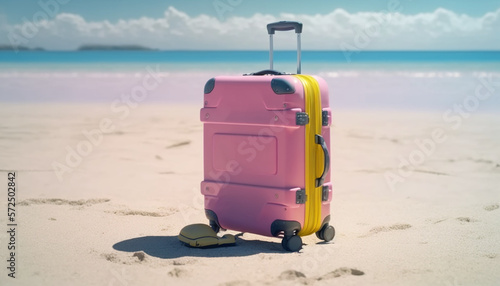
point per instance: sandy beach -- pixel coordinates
(411, 205)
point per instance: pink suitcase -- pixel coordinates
(266, 159)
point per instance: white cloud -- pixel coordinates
(438, 30)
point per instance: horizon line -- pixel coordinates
(229, 50)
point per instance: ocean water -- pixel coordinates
(358, 80)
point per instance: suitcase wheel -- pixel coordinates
(326, 233)
(214, 226)
(292, 243)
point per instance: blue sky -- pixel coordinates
(95, 10)
(237, 24)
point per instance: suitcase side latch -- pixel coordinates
(325, 193)
(324, 117)
(301, 118)
(301, 197)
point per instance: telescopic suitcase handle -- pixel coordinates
(284, 26)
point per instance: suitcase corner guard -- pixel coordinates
(209, 86)
(213, 220)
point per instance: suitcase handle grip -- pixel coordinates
(284, 26)
(321, 141)
(267, 72)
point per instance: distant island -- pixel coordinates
(18, 48)
(89, 47)
(113, 48)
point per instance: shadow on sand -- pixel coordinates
(169, 247)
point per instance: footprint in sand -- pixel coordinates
(179, 144)
(466, 219)
(166, 173)
(111, 257)
(378, 229)
(439, 221)
(55, 201)
(432, 172)
(137, 257)
(178, 273)
(140, 255)
(236, 283)
(293, 275)
(339, 272)
(145, 213)
(491, 207)
(184, 261)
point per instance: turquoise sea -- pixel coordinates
(415, 80)
(119, 60)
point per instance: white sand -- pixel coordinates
(140, 185)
